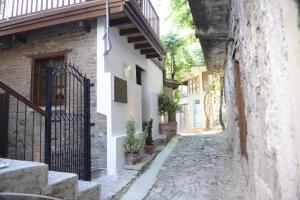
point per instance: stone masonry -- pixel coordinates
(200, 167)
(16, 70)
(258, 91)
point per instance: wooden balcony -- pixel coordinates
(136, 19)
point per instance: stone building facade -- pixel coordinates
(262, 96)
(16, 71)
(256, 44)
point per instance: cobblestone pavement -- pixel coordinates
(199, 168)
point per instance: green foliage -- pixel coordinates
(133, 144)
(149, 140)
(166, 104)
(183, 52)
(181, 13)
(177, 95)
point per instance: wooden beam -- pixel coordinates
(55, 17)
(148, 51)
(142, 46)
(129, 31)
(136, 39)
(120, 21)
(152, 55)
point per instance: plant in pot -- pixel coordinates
(149, 146)
(163, 105)
(133, 144)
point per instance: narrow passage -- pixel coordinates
(200, 168)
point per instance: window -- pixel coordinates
(139, 75)
(39, 82)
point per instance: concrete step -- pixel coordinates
(88, 190)
(23, 177)
(34, 178)
(62, 185)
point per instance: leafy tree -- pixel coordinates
(183, 53)
(181, 13)
(172, 43)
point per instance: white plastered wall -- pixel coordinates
(118, 114)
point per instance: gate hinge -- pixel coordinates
(92, 85)
(92, 124)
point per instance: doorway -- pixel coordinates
(197, 117)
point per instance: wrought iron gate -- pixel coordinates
(68, 145)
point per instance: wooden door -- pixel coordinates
(4, 108)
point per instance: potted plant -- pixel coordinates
(149, 146)
(133, 144)
(167, 108)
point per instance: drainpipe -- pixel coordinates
(106, 37)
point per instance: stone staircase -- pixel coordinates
(34, 178)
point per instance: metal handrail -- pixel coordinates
(22, 99)
(150, 14)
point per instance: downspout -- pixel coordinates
(106, 37)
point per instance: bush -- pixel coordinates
(149, 140)
(166, 104)
(133, 144)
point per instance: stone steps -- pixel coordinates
(88, 190)
(34, 178)
(23, 177)
(62, 185)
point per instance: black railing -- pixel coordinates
(18, 8)
(150, 14)
(22, 127)
(68, 124)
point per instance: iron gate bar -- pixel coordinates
(48, 118)
(87, 140)
(73, 129)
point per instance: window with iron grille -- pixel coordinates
(39, 81)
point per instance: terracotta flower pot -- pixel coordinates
(149, 149)
(131, 158)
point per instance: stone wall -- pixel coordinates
(259, 74)
(16, 70)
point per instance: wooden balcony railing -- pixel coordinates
(10, 9)
(13, 9)
(150, 14)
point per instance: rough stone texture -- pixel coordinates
(88, 190)
(113, 186)
(62, 185)
(200, 167)
(34, 179)
(210, 18)
(21, 176)
(16, 66)
(264, 55)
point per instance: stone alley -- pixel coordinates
(200, 167)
